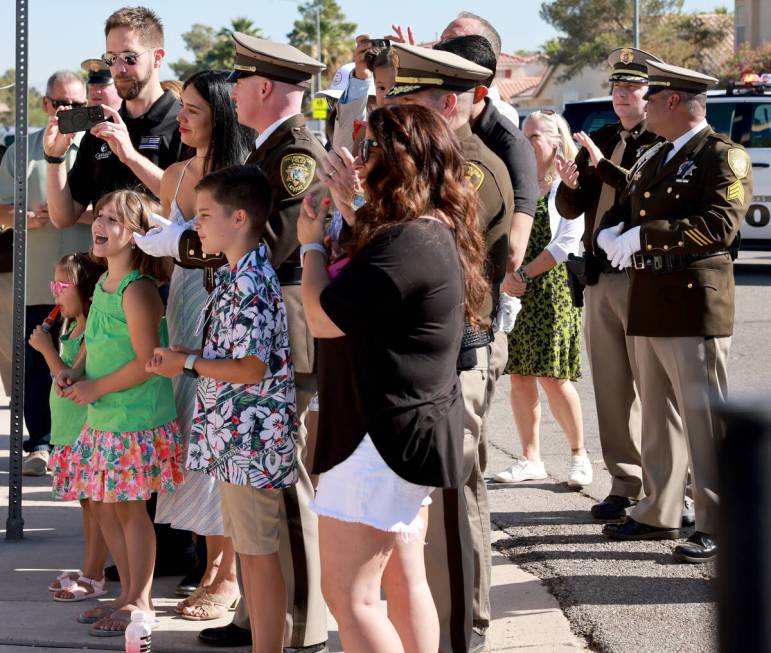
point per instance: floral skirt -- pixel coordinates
(60, 463)
(125, 466)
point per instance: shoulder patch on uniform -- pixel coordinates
(739, 162)
(297, 172)
(475, 175)
(736, 191)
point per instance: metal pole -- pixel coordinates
(318, 44)
(636, 4)
(14, 525)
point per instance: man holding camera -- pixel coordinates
(141, 140)
(44, 244)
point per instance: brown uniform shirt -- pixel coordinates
(572, 202)
(289, 159)
(490, 178)
(693, 205)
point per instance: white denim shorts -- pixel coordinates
(365, 490)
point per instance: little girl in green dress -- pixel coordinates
(130, 445)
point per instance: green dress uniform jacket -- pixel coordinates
(689, 211)
(572, 202)
(490, 178)
(289, 159)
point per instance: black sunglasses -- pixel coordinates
(57, 104)
(129, 58)
(365, 147)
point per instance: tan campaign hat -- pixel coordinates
(278, 61)
(629, 65)
(421, 68)
(98, 71)
(666, 77)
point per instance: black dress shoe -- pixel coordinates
(612, 507)
(630, 529)
(313, 648)
(226, 636)
(700, 547)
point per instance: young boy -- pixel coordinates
(244, 427)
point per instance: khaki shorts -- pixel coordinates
(250, 516)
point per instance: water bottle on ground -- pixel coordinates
(138, 634)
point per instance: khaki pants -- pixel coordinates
(695, 370)
(614, 374)
(457, 521)
(306, 618)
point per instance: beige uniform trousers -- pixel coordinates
(455, 517)
(694, 369)
(306, 617)
(614, 373)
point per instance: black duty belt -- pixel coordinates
(474, 337)
(671, 262)
(289, 273)
(607, 268)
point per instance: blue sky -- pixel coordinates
(64, 32)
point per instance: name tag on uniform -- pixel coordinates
(150, 143)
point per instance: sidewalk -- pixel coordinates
(526, 615)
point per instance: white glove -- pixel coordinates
(162, 239)
(607, 237)
(622, 249)
(508, 307)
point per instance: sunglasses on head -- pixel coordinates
(57, 104)
(58, 286)
(365, 147)
(129, 58)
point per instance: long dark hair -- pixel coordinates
(419, 171)
(230, 141)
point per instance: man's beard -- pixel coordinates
(131, 90)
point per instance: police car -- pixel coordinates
(743, 113)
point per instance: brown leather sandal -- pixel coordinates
(210, 606)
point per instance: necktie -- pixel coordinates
(608, 193)
(665, 150)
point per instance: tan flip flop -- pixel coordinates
(211, 606)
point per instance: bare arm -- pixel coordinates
(519, 236)
(169, 363)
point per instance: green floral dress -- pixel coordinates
(546, 338)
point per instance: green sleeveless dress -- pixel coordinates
(546, 338)
(130, 446)
(67, 419)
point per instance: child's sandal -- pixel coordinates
(64, 580)
(82, 589)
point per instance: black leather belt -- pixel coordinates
(671, 262)
(609, 269)
(289, 274)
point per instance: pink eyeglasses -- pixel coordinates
(58, 286)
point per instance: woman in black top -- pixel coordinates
(391, 415)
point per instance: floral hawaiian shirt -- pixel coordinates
(245, 434)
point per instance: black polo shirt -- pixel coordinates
(155, 135)
(510, 145)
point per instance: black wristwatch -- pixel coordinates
(54, 159)
(188, 369)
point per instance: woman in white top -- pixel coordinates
(545, 344)
(208, 124)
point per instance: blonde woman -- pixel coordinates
(544, 346)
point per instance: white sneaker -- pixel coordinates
(580, 472)
(35, 464)
(522, 470)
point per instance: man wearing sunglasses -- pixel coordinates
(45, 246)
(137, 142)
